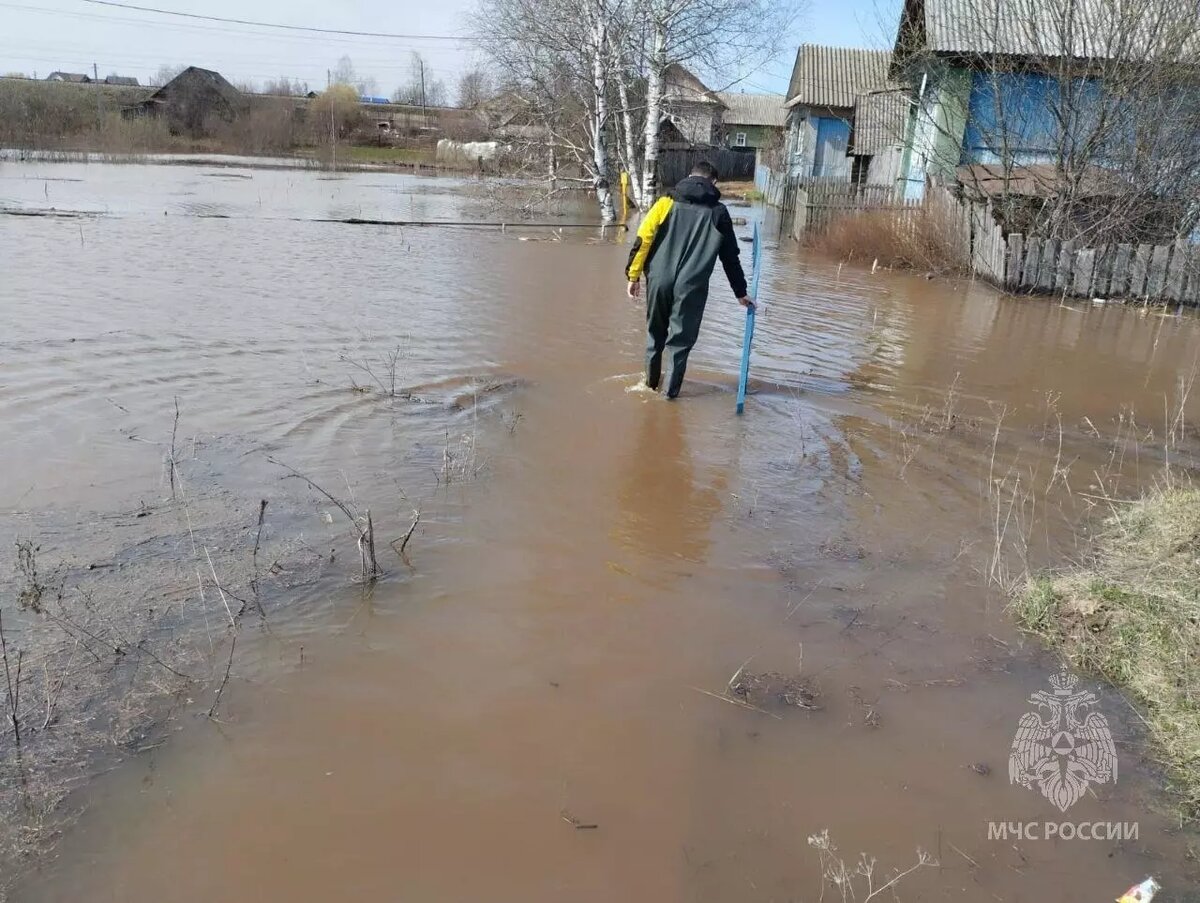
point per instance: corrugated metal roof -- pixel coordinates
(753, 109)
(834, 76)
(879, 121)
(1085, 29)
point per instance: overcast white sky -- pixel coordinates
(40, 36)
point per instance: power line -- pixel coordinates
(304, 39)
(339, 31)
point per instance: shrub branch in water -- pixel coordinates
(1131, 614)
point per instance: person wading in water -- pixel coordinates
(677, 247)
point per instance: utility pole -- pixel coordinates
(332, 121)
(424, 117)
(96, 79)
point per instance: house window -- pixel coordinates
(739, 140)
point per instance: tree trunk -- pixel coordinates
(654, 92)
(631, 161)
(600, 118)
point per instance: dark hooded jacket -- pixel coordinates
(681, 238)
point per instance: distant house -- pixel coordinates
(77, 78)
(193, 102)
(121, 80)
(826, 88)
(512, 116)
(694, 110)
(753, 120)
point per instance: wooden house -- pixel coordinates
(693, 110)
(988, 94)
(753, 120)
(193, 102)
(826, 88)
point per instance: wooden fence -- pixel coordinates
(1142, 272)
(825, 202)
(733, 165)
(1161, 273)
(772, 185)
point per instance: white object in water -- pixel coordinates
(1141, 893)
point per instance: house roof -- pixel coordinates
(121, 80)
(753, 109)
(194, 74)
(1097, 29)
(680, 85)
(68, 77)
(834, 76)
(879, 121)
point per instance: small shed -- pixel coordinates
(193, 102)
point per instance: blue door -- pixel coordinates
(833, 141)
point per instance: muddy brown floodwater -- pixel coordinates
(529, 712)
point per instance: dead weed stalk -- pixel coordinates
(857, 882)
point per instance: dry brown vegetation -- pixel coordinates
(1130, 614)
(60, 116)
(918, 238)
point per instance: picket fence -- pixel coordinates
(1159, 273)
(1143, 272)
(820, 203)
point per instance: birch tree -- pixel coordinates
(557, 53)
(719, 38)
(595, 72)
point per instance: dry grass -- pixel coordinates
(1131, 614)
(919, 238)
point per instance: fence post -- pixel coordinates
(1033, 263)
(1045, 279)
(1016, 257)
(1176, 271)
(1157, 277)
(1066, 262)
(1119, 287)
(1138, 271)
(1085, 266)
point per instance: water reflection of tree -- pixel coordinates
(666, 507)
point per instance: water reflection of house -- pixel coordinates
(829, 85)
(192, 102)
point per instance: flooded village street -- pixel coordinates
(539, 701)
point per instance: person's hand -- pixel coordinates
(634, 290)
(746, 302)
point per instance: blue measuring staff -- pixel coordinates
(743, 378)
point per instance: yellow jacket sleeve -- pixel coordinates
(645, 238)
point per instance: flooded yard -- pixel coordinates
(633, 649)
